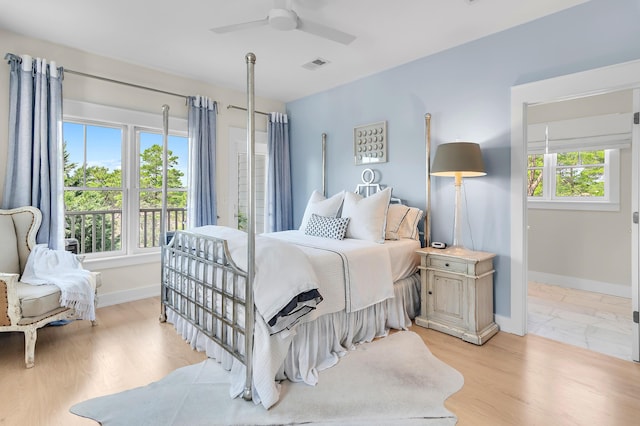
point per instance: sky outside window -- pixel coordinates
(104, 146)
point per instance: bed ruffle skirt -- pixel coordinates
(315, 345)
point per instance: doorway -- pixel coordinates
(579, 221)
(596, 81)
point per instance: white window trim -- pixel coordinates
(131, 120)
(120, 261)
(611, 201)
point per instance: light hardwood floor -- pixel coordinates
(510, 380)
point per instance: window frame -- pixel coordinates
(123, 136)
(134, 198)
(131, 121)
(550, 201)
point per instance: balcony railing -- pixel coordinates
(101, 230)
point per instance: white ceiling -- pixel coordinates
(174, 35)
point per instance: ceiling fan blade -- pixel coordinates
(325, 32)
(242, 26)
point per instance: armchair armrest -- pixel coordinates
(9, 302)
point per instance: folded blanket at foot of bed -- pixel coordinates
(280, 298)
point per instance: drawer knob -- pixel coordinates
(446, 264)
(430, 292)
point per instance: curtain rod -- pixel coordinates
(124, 83)
(244, 109)
(110, 80)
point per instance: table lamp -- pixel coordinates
(458, 160)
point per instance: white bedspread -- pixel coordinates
(367, 268)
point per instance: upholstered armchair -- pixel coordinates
(25, 307)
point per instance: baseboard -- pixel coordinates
(611, 289)
(124, 296)
(507, 324)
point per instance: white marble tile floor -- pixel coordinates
(594, 321)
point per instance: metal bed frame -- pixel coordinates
(202, 284)
(198, 272)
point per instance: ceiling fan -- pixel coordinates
(286, 19)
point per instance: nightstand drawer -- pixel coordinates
(445, 264)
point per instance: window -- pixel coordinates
(238, 177)
(150, 185)
(93, 188)
(243, 189)
(113, 179)
(575, 179)
(574, 164)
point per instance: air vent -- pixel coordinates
(315, 64)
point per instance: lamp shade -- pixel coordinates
(463, 158)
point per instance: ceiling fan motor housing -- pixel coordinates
(283, 19)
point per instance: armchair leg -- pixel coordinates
(95, 306)
(30, 336)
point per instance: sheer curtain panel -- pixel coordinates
(201, 195)
(279, 198)
(34, 158)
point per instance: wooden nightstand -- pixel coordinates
(456, 294)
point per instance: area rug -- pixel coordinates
(391, 381)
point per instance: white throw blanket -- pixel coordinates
(282, 272)
(63, 269)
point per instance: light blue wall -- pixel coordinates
(467, 91)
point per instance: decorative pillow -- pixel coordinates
(327, 227)
(321, 206)
(395, 216)
(402, 222)
(368, 215)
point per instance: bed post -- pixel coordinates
(427, 215)
(163, 212)
(249, 308)
(324, 164)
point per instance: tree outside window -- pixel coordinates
(576, 175)
(580, 174)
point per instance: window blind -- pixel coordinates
(609, 131)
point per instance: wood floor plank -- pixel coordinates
(510, 380)
(531, 380)
(75, 362)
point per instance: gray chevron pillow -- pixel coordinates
(327, 227)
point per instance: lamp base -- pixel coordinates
(459, 250)
(457, 214)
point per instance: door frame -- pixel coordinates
(596, 81)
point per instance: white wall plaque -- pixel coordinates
(370, 143)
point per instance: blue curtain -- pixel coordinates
(34, 160)
(201, 195)
(279, 198)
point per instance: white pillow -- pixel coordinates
(321, 206)
(402, 222)
(368, 216)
